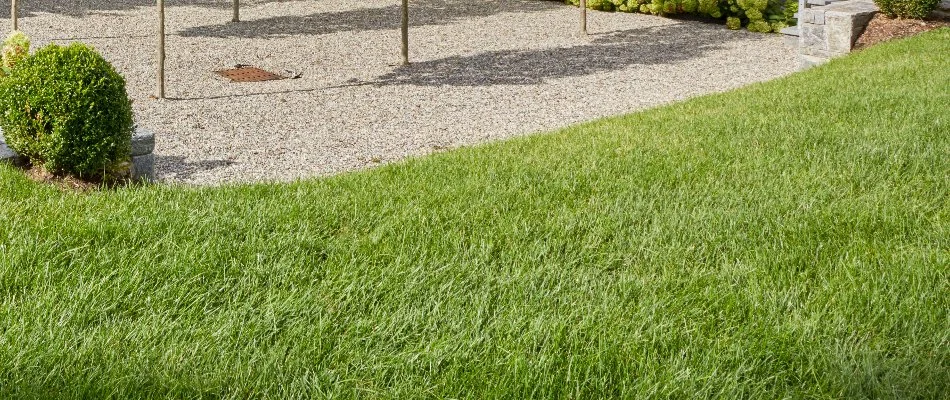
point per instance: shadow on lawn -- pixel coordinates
(605, 52)
(423, 12)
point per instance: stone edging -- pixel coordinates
(831, 30)
(143, 159)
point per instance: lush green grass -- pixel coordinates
(787, 240)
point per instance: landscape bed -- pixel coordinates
(785, 240)
(482, 71)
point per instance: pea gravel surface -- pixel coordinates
(481, 71)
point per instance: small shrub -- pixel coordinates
(66, 108)
(758, 15)
(918, 9)
(16, 47)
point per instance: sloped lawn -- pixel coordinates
(787, 240)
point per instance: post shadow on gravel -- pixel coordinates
(186, 170)
(421, 13)
(79, 8)
(606, 52)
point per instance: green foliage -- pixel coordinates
(600, 5)
(690, 6)
(918, 9)
(733, 23)
(66, 108)
(754, 15)
(710, 7)
(791, 7)
(759, 26)
(772, 242)
(759, 15)
(16, 47)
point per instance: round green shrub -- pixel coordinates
(66, 108)
(918, 9)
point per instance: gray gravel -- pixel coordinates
(482, 71)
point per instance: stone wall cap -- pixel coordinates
(143, 141)
(851, 7)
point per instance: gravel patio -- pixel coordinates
(481, 71)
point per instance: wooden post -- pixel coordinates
(405, 32)
(236, 15)
(161, 50)
(583, 7)
(13, 15)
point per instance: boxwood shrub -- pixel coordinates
(918, 9)
(755, 15)
(66, 108)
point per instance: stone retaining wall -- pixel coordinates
(830, 31)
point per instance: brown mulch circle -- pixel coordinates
(883, 28)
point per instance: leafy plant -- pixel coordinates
(918, 9)
(66, 108)
(757, 15)
(16, 47)
(791, 7)
(733, 23)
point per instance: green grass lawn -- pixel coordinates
(786, 240)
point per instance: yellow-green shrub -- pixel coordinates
(757, 15)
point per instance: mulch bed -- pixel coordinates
(882, 28)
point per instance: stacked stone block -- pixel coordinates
(831, 30)
(143, 160)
